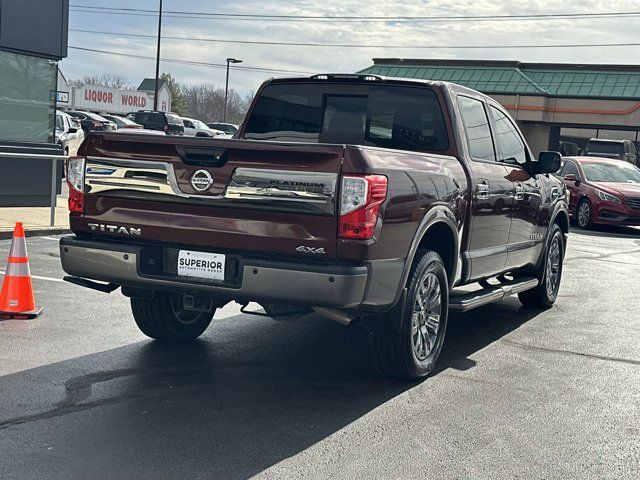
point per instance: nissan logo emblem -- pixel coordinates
(201, 180)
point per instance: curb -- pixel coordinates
(35, 232)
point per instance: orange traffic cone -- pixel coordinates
(16, 298)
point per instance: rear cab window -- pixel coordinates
(173, 119)
(388, 116)
(612, 148)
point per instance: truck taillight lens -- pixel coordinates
(75, 180)
(360, 202)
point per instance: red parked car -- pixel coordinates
(602, 191)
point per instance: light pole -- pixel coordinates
(226, 87)
(155, 95)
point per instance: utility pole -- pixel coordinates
(226, 87)
(155, 95)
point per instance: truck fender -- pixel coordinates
(560, 210)
(436, 215)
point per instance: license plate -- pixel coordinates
(201, 265)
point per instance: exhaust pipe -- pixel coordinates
(335, 314)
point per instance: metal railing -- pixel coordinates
(54, 174)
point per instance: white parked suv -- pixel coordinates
(196, 128)
(69, 133)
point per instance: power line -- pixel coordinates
(348, 18)
(347, 45)
(190, 62)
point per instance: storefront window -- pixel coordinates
(27, 98)
(586, 133)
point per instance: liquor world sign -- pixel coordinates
(110, 100)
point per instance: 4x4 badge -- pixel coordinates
(315, 251)
(201, 180)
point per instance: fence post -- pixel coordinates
(54, 193)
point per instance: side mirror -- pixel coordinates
(72, 130)
(570, 177)
(548, 162)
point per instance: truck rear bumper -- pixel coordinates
(257, 280)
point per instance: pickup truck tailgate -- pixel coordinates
(227, 194)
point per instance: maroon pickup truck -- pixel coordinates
(363, 198)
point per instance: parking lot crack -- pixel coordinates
(627, 361)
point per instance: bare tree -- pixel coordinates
(104, 80)
(206, 102)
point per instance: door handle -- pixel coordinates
(482, 190)
(519, 192)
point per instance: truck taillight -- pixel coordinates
(360, 200)
(75, 180)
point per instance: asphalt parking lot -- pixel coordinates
(518, 393)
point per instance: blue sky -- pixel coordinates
(324, 59)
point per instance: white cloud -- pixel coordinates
(317, 59)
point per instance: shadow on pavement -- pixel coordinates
(613, 231)
(251, 393)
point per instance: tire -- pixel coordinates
(277, 310)
(404, 354)
(546, 293)
(163, 318)
(583, 214)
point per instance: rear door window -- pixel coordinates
(476, 126)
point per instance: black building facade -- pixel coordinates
(33, 38)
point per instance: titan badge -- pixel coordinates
(101, 227)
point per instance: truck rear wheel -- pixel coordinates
(412, 352)
(164, 318)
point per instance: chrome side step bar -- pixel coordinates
(464, 301)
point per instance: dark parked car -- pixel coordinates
(91, 122)
(620, 149)
(122, 122)
(227, 128)
(602, 191)
(363, 198)
(169, 123)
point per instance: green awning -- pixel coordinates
(520, 80)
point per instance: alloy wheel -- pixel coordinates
(584, 214)
(425, 320)
(554, 259)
